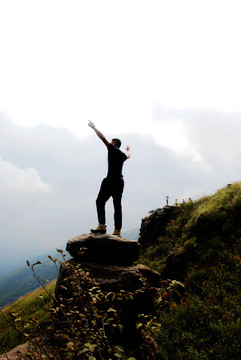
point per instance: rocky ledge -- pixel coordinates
(109, 261)
(103, 249)
(112, 277)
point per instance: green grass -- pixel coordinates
(206, 322)
(34, 305)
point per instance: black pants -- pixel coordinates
(110, 187)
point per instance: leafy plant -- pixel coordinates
(85, 323)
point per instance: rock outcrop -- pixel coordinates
(155, 224)
(14, 354)
(103, 249)
(109, 260)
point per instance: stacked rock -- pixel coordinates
(109, 261)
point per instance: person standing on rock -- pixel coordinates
(112, 185)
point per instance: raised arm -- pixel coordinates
(98, 133)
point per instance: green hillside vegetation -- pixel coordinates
(198, 304)
(18, 282)
(206, 322)
(35, 305)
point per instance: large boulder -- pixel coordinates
(154, 225)
(109, 261)
(103, 249)
(106, 263)
(112, 277)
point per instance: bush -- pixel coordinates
(82, 322)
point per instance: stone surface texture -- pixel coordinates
(103, 249)
(154, 225)
(110, 262)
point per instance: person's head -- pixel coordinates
(116, 142)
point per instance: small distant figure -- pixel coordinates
(167, 198)
(112, 185)
(176, 202)
(183, 201)
(189, 200)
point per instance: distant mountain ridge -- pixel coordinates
(20, 281)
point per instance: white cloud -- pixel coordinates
(110, 62)
(17, 180)
(35, 161)
(172, 134)
(204, 138)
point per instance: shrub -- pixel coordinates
(85, 323)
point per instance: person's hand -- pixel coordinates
(91, 124)
(128, 153)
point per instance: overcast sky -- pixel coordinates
(164, 76)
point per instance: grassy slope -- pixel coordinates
(206, 324)
(20, 281)
(33, 305)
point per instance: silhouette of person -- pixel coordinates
(112, 185)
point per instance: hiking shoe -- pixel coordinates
(100, 229)
(116, 232)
